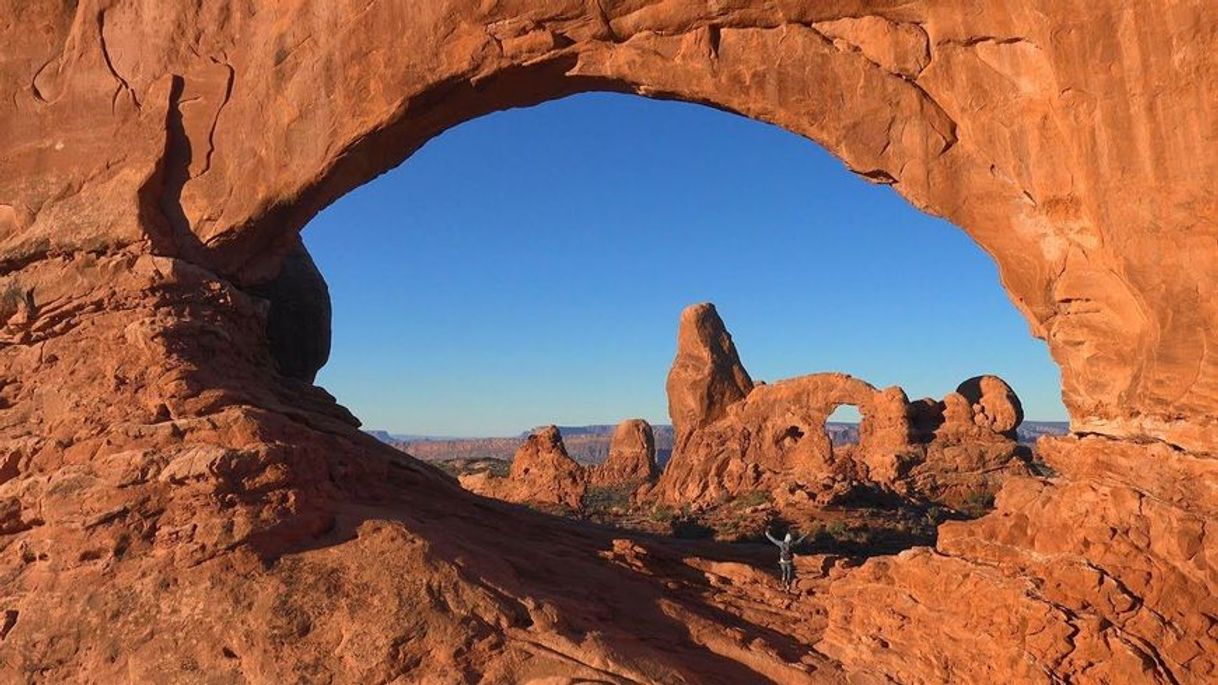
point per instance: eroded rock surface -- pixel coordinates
(706, 376)
(1129, 609)
(298, 323)
(995, 405)
(158, 159)
(774, 438)
(542, 472)
(632, 456)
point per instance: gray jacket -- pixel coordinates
(784, 547)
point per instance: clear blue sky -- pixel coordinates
(529, 267)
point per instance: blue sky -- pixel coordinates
(529, 267)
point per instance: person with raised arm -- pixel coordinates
(786, 558)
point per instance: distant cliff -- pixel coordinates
(590, 444)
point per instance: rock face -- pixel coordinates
(1124, 612)
(298, 323)
(632, 456)
(775, 434)
(542, 472)
(157, 161)
(706, 376)
(960, 454)
(776, 438)
(995, 405)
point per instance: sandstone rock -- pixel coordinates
(995, 405)
(774, 436)
(775, 439)
(541, 472)
(901, 48)
(298, 323)
(632, 456)
(706, 375)
(1125, 586)
(11, 516)
(157, 157)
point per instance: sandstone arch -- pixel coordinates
(776, 431)
(929, 91)
(158, 159)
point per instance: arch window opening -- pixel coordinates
(842, 426)
(529, 268)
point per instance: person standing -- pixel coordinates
(786, 558)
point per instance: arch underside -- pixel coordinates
(159, 162)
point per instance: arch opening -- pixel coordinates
(540, 278)
(147, 436)
(843, 425)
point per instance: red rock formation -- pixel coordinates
(632, 456)
(1126, 610)
(775, 439)
(158, 159)
(995, 405)
(542, 472)
(706, 375)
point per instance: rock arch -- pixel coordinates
(929, 91)
(158, 160)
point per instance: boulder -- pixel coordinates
(298, 322)
(995, 405)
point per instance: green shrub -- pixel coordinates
(836, 530)
(978, 503)
(752, 499)
(663, 514)
(606, 499)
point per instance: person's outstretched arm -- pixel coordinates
(772, 538)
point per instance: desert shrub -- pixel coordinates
(11, 299)
(978, 503)
(662, 514)
(606, 499)
(690, 528)
(753, 498)
(836, 530)
(1041, 469)
(936, 514)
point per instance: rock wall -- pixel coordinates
(160, 476)
(1103, 572)
(120, 134)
